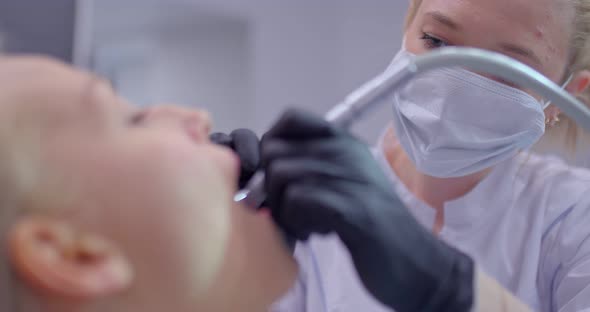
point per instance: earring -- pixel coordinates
(552, 121)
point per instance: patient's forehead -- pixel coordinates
(45, 85)
(21, 71)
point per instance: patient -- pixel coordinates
(107, 207)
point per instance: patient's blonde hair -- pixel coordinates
(15, 174)
(580, 55)
(20, 175)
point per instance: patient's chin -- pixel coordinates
(279, 257)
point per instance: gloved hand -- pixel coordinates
(320, 179)
(245, 144)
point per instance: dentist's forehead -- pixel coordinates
(540, 18)
(542, 27)
(510, 8)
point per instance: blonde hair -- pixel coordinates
(20, 173)
(8, 214)
(580, 60)
(579, 57)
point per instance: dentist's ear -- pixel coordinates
(53, 257)
(579, 83)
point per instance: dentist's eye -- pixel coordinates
(432, 42)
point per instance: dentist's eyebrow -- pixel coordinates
(522, 51)
(444, 20)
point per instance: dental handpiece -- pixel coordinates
(354, 106)
(377, 91)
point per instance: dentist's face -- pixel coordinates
(535, 32)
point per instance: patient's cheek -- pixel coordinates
(189, 202)
(204, 158)
(206, 225)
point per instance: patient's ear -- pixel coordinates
(54, 257)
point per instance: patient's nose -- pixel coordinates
(195, 122)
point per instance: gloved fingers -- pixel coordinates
(284, 172)
(309, 208)
(247, 146)
(278, 174)
(221, 139)
(297, 124)
(273, 149)
(330, 150)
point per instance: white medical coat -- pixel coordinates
(527, 224)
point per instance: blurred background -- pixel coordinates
(244, 61)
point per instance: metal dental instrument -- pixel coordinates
(376, 92)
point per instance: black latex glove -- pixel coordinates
(246, 145)
(320, 179)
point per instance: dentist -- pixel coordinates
(454, 170)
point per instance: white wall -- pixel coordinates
(246, 61)
(202, 68)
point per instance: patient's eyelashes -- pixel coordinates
(138, 117)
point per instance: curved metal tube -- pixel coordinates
(376, 92)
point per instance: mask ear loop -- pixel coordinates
(552, 121)
(545, 103)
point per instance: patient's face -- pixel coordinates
(148, 179)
